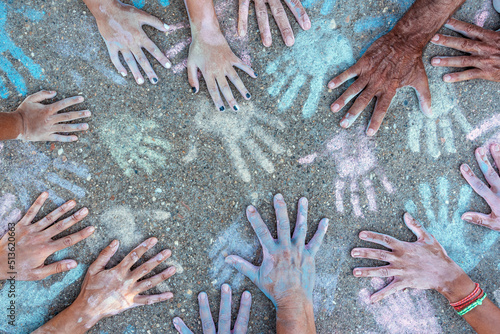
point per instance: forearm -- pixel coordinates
(423, 20)
(97, 7)
(11, 125)
(296, 319)
(201, 15)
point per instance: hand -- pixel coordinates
(286, 275)
(490, 194)
(121, 28)
(389, 63)
(108, 292)
(32, 244)
(482, 45)
(422, 264)
(40, 122)
(210, 53)
(241, 324)
(279, 16)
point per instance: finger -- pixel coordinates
(206, 317)
(479, 187)
(282, 21)
(415, 226)
(282, 219)
(468, 30)
(465, 75)
(70, 116)
(33, 210)
(115, 59)
(462, 44)
(421, 86)
(495, 153)
(235, 79)
(481, 219)
(132, 66)
(66, 223)
(317, 239)
(358, 106)
(243, 266)
(260, 228)
(146, 66)
(385, 271)
(381, 107)
(132, 257)
(54, 215)
(152, 299)
(243, 17)
(263, 22)
(393, 287)
(213, 90)
(299, 235)
(104, 256)
(181, 327)
(348, 74)
(70, 127)
(153, 281)
(154, 22)
(349, 94)
(241, 324)
(41, 96)
(463, 61)
(489, 172)
(149, 265)
(381, 239)
(245, 68)
(300, 13)
(61, 138)
(72, 239)
(192, 71)
(54, 268)
(63, 104)
(373, 254)
(224, 325)
(226, 91)
(155, 52)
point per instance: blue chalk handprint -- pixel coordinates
(140, 3)
(316, 63)
(326, 8)
(452, 233)
(8, 46)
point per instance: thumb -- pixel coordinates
(55, 268)
(481, 219)
(154, 22)
(41, 96)
(421, 86)
(243, 266)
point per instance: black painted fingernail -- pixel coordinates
(222, 108)
(155, 80)
(193, 89)
(255, 74)
(235, 108)
(248, 95)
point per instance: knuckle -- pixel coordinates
(67, 241)
(384, 272)
(383, 256)
(386, 239)
(59, 268)
(261, 231)
(278, 11)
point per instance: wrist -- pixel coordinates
(458, 286)
(11, 125)
(83, 314)
(100, 8)
(295, 316)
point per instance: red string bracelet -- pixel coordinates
(468, 298)
(470, 302)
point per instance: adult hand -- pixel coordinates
(224, 327)
(390, 63)
(31, 244)
(210, 53)
(286, 275)
(279, 15)
(422, 264)
(120, 26)
(490, 194)
(41, 122)
(482, 45)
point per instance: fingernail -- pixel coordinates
(355, 253)
(496, 147)
(363, 235)
(71, 265)
(344, 123)
(159, 257)
(335, 107)
(255, 74)
(225, 288)
(171, 270)
(248, 95)
(124, 74)
(236, 108)
(203, 296)
(289, 41)
(436, 61)
(91, 229)
(229, 260)
(193, 89)
(303, 201)
(69, 205)
(279, 197)
(357, 272)
(465, 168)
(481, 151)
(435, 38)
(467, 218)
(246, 295)
(166, 26)
(222, 108)
(251, 209)
(154, 80)
(88, 113)
(140, 81)
(85, 126)
(447, 77)
(83, 211)
(168, 65)
(370, 132)
(114, 243)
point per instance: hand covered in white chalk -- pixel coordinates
(286, 275)
(224, 326)
(423, 264)
(483, 46)
(120, 26)
(41, 122)
(26, 246)
(490, 194)
(279, 15)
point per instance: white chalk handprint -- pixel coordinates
(308, 65)
(8, 215)
(353, 156)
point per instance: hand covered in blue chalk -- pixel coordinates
(224, 326)
(26, 246)
(287, 273)
(423, 264)
(279, 15)
(490, 194)
(120, 26)
(41, 122)
(483, 46)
